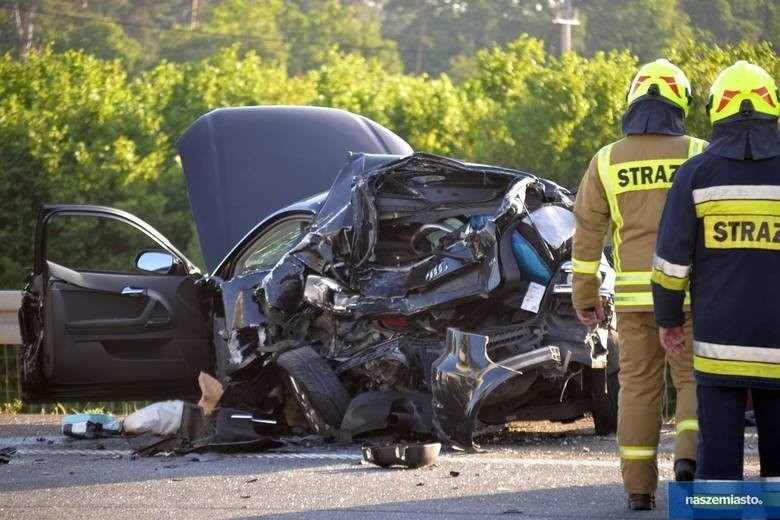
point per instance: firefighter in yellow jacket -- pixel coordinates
(625, 188)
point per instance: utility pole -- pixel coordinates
(564, 16)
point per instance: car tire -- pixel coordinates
(319, 393)
(605, 403)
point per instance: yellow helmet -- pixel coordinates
(743, 88)
(665, 81)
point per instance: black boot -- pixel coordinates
(641, 501)
(684, 470)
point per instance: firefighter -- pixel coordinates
(626, 186)
(720, 233)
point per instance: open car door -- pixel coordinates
(111, 311)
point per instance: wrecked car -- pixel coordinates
(416, 294)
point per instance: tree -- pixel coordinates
(317, 30)
(724, 22)
(104, 40)
(108, 28)
(702, 62)
(297, 37)
(434, 34)
(255, 25)
(643, 28)
(72, 129)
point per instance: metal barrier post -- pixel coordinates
(9, 320)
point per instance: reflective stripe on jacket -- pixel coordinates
(720, 231)
(625, 186)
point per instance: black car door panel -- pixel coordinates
(92, 304)
(113, 332)
(101, 337)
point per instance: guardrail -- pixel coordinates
(9, 320)
(10, 386)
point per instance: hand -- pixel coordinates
(672, 339)
(592, 316)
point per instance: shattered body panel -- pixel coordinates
(464, 376)
(407, 255)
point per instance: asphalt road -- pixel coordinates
(535, 471)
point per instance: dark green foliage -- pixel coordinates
(432, 36)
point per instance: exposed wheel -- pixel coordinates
(604, 386)
(319, 393)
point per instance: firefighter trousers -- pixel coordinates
(722, 417)
(641, 399)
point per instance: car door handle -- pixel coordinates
(144, 322)
(133, 291)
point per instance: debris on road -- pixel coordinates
(6, 453)
(90, 425)
(163, 418)
(211, 392)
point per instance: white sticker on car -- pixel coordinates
(533, 297)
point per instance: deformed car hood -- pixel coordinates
(241, 164)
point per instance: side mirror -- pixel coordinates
(158, 262)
